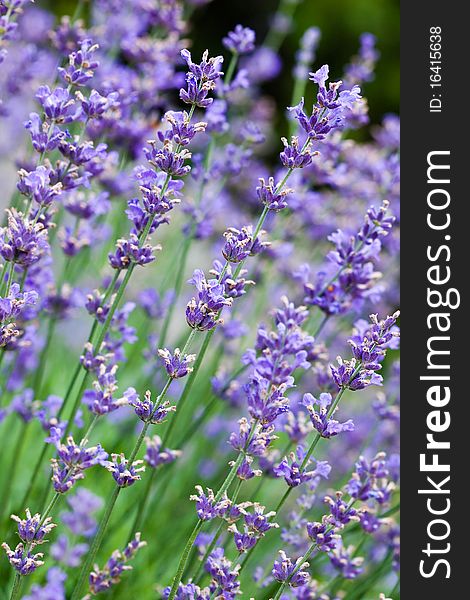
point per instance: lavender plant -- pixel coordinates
(177, 278)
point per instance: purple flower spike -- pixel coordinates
(295, 157)
(96, 105)
(22, 241)
(33, 530)
(176, 364)
(130, 251)
(202, 311)
(36, 185)
(269, 196)
(240, 41)
(245, 540)
(24, 562)
(200, 79)
(343, 559)
(323, 535)
(156, 455)
(239, 244)
(146, 409)
(206, 506)
(58, 105)
(283, 571)
(293, 472)
(101, 580)
(324, 424)
(81, 65)
(124, 474)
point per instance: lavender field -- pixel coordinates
(199, 324)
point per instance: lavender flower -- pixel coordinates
(342, 558)
(331, 107)
(82, 64)
(285, 570)
(54, 588)
(244, 541)
(22, 241)
(156, 456)
(176, 365)
(101, 400)
(96, 105)
(240, 41)
(202, 311)
(321, 419)
(206, 506)
(360, 372)
(23, 561)
(200, 79)
(101, 580)
(295, 157)
(146, 409)
(131, 252)
(225, 578)
(370, 480)
(266, 402)
(33, 529)
(323, 535)
(293, 472)
(124, 474)
(269, 194)
(72, 460)
(341, 512)
(36, 185)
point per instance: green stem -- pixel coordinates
(189, 384)
(32, 479)
(231, 68)
(183, 560)
(112, 501)
(296, 570)
(178, 286)
(114, 307)
(15, 590)
(78, 368)
(197, 578)
(11, 471)
(90, 556)
(42, 358)
(396, 589)
(223, 488)
(140, 516)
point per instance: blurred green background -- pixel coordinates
(340, 21)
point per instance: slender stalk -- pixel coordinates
(42, 358)
(199, 574)
(9, 280)
(32, 479)
(276, 36)
(296, 570)
(396, 590)
(16, 587)
(189, 384)
(140, 515)
(96, 542)
(11, 471)
(231, 68)
(112, 501)
(186, 247)
(78, 367)
(223, 488)
(184, 559)
(177, 288)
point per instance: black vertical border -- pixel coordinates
(422, 132)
